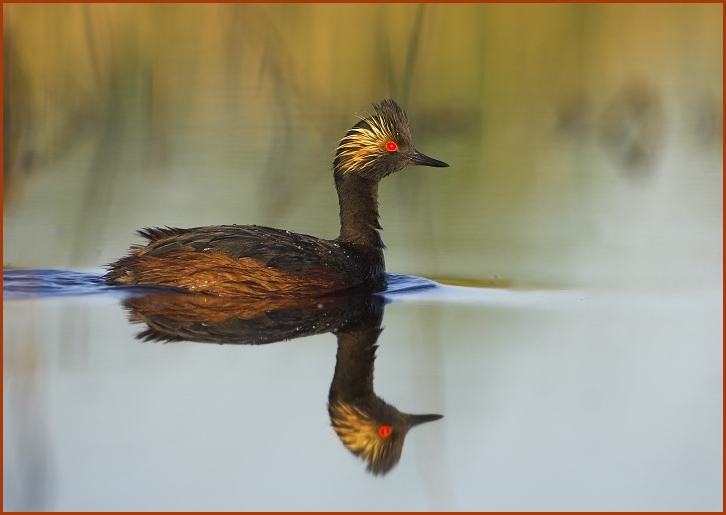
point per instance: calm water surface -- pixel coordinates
(551, 400)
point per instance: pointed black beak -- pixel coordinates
(418, 158)
(415, 420)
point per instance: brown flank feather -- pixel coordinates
(217, 273)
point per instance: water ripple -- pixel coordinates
(20, 284)
(405, 284)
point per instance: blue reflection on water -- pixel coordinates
(24, 284)
(18, 284)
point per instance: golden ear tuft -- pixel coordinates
(373, 136)
(365, 437)
(365, 142)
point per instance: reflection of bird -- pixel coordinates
(177, 316)
(368, 426)
(251, 260)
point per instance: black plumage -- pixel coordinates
(251, 260)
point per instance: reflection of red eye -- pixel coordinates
(391, 147)
(385, 431)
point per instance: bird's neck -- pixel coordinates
(353, 377)
(358, 200)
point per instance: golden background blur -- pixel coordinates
(583, 139)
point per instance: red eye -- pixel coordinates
(391, 147)
(385, 431)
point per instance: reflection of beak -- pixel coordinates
(415, 420)
(418, 158)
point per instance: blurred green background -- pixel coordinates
(585, 141)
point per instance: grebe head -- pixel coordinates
(374, 431)
(379, 145)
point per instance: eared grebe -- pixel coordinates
(251, 260)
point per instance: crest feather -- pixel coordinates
(367, 140)
(359, 433)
